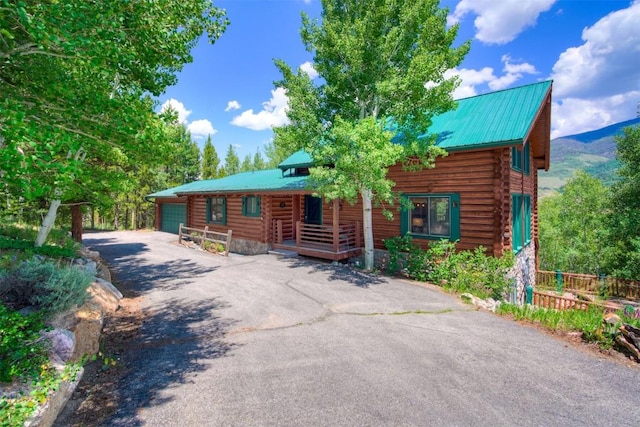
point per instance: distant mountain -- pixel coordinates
(593, 151)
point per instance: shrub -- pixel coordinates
(22, 352)
(40, 283)
(469, 271)
(406, 255)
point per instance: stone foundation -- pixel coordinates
(523, 273)
(248, 247)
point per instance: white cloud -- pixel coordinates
(573, 115)
(308, 68)
(597, 83)
(232, 105)
(201, 128)
(607, 63)
(273, 114)
(178, 107)
(500, 21)
(470, 79)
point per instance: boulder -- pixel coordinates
(103, 272)
(91, 267)
(87, 329)
(105, 294)
(63, 344)
(88, 253)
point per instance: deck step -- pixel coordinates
(283, 253)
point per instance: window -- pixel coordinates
(520, 160)
(217, 210)
(433, 216)
(520, 221)
(251, 206)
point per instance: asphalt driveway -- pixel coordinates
(244, 341)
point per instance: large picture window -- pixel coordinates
(432, 216)
(217, 210)
(251, 206)
(520, 221)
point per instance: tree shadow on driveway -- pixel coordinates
(175, 343)
(338, 272)
(146, 354)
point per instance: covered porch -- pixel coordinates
(334, 241)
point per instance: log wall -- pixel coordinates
(244, 227)
(470, 174)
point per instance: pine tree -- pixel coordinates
(231, 161)
(210, 160)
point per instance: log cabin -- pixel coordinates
(483, 193)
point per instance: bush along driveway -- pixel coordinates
(266, 341)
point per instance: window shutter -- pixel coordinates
(208, 217)
(455, 217)
(527, 218)
(258, 205)
(224, 211)
(244, 205)
(516, 222)
(404, 220)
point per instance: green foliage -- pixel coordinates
(589, 322)
(407, 255)
(41, 283)
(22, 352)
(624, 221)
(76, 116)
(231, 161)
(573, 226)
(465, 271)
(374, 78)
(210, 160)
(14, 412)
(589, 228)
(470, 271)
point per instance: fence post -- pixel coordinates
(226, 249)
(180, 234)
(529, 293)
(204, 236)
(559, 281)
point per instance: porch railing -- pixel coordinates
(337, 237)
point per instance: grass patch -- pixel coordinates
(588, 322)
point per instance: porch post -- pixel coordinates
(298, 234)
(336, 224)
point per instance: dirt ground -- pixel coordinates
(97, 396)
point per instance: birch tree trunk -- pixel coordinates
(47, 223)
(367, 229)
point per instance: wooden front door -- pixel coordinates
(312, 210)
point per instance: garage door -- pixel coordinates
(173, 214)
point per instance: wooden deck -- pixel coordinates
(322, 241)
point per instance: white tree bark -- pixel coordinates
(50, 219)
(47, 223)
(367, 227)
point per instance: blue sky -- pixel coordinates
(591, 48)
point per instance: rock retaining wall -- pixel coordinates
(76, 334)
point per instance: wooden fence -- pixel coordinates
(559, 302)
(590, 284)
(203, 236)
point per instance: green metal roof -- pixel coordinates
(265, 180)
(170, 192)
(299, 159)
(494, 119)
